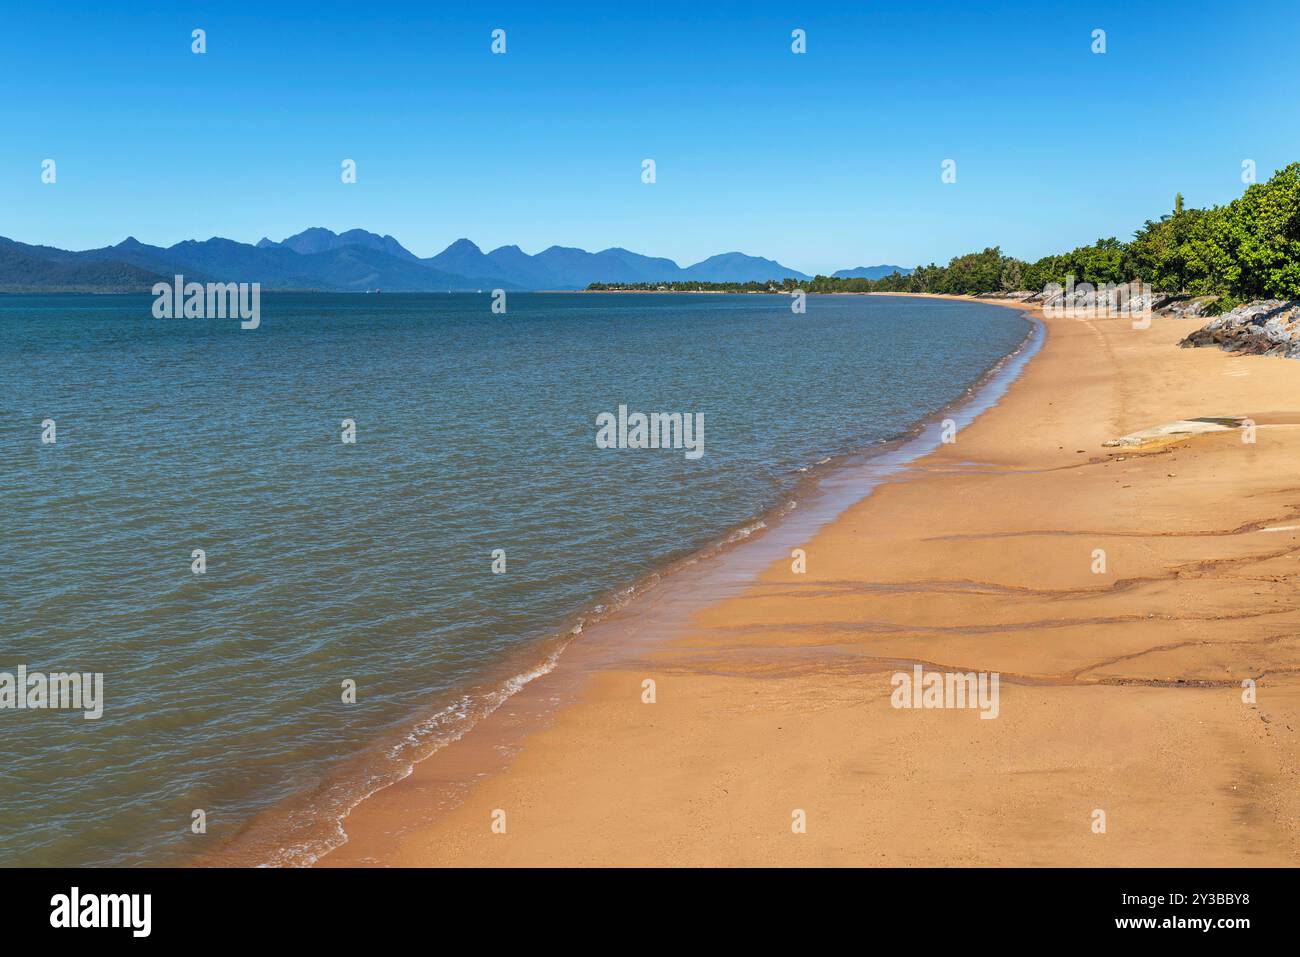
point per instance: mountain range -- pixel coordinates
(357, 261)
(870, 272)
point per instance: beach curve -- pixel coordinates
(1121, 689)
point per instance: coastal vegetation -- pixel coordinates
(1246, 250)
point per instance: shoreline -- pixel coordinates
(1121, 691)
(312, 821)
(702, 579)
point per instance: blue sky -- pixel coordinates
(822, 161)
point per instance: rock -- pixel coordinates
(1269, 327)
(1124, 301)
(1183, 307)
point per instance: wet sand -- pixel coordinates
(1120, 690)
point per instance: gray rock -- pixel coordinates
(1183, 307)
(1268, 327)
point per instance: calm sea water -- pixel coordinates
(372, 562)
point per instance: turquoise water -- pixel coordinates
(372, 562)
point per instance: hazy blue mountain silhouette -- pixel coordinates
(357, 260)
(737, 267)
(319, 240)
(26, 268)
(870, 272)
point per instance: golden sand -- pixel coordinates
(1120, 692)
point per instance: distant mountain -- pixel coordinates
(870, 272)
(570, 268)
(21, 270)
(513, 261)
(151, 258)
(357, 260)
(319, 240)
(566, 267)
(349, 262)
(464, 258)
(737, 267)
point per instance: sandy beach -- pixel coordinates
(1120, 690)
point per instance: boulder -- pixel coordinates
(1269, 327)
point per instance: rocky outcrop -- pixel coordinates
(1124, 300)
(1127, 300)
(1267, 328)
(1184, 307)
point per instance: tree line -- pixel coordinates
(1248, 249)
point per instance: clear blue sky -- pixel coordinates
(821, 161)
